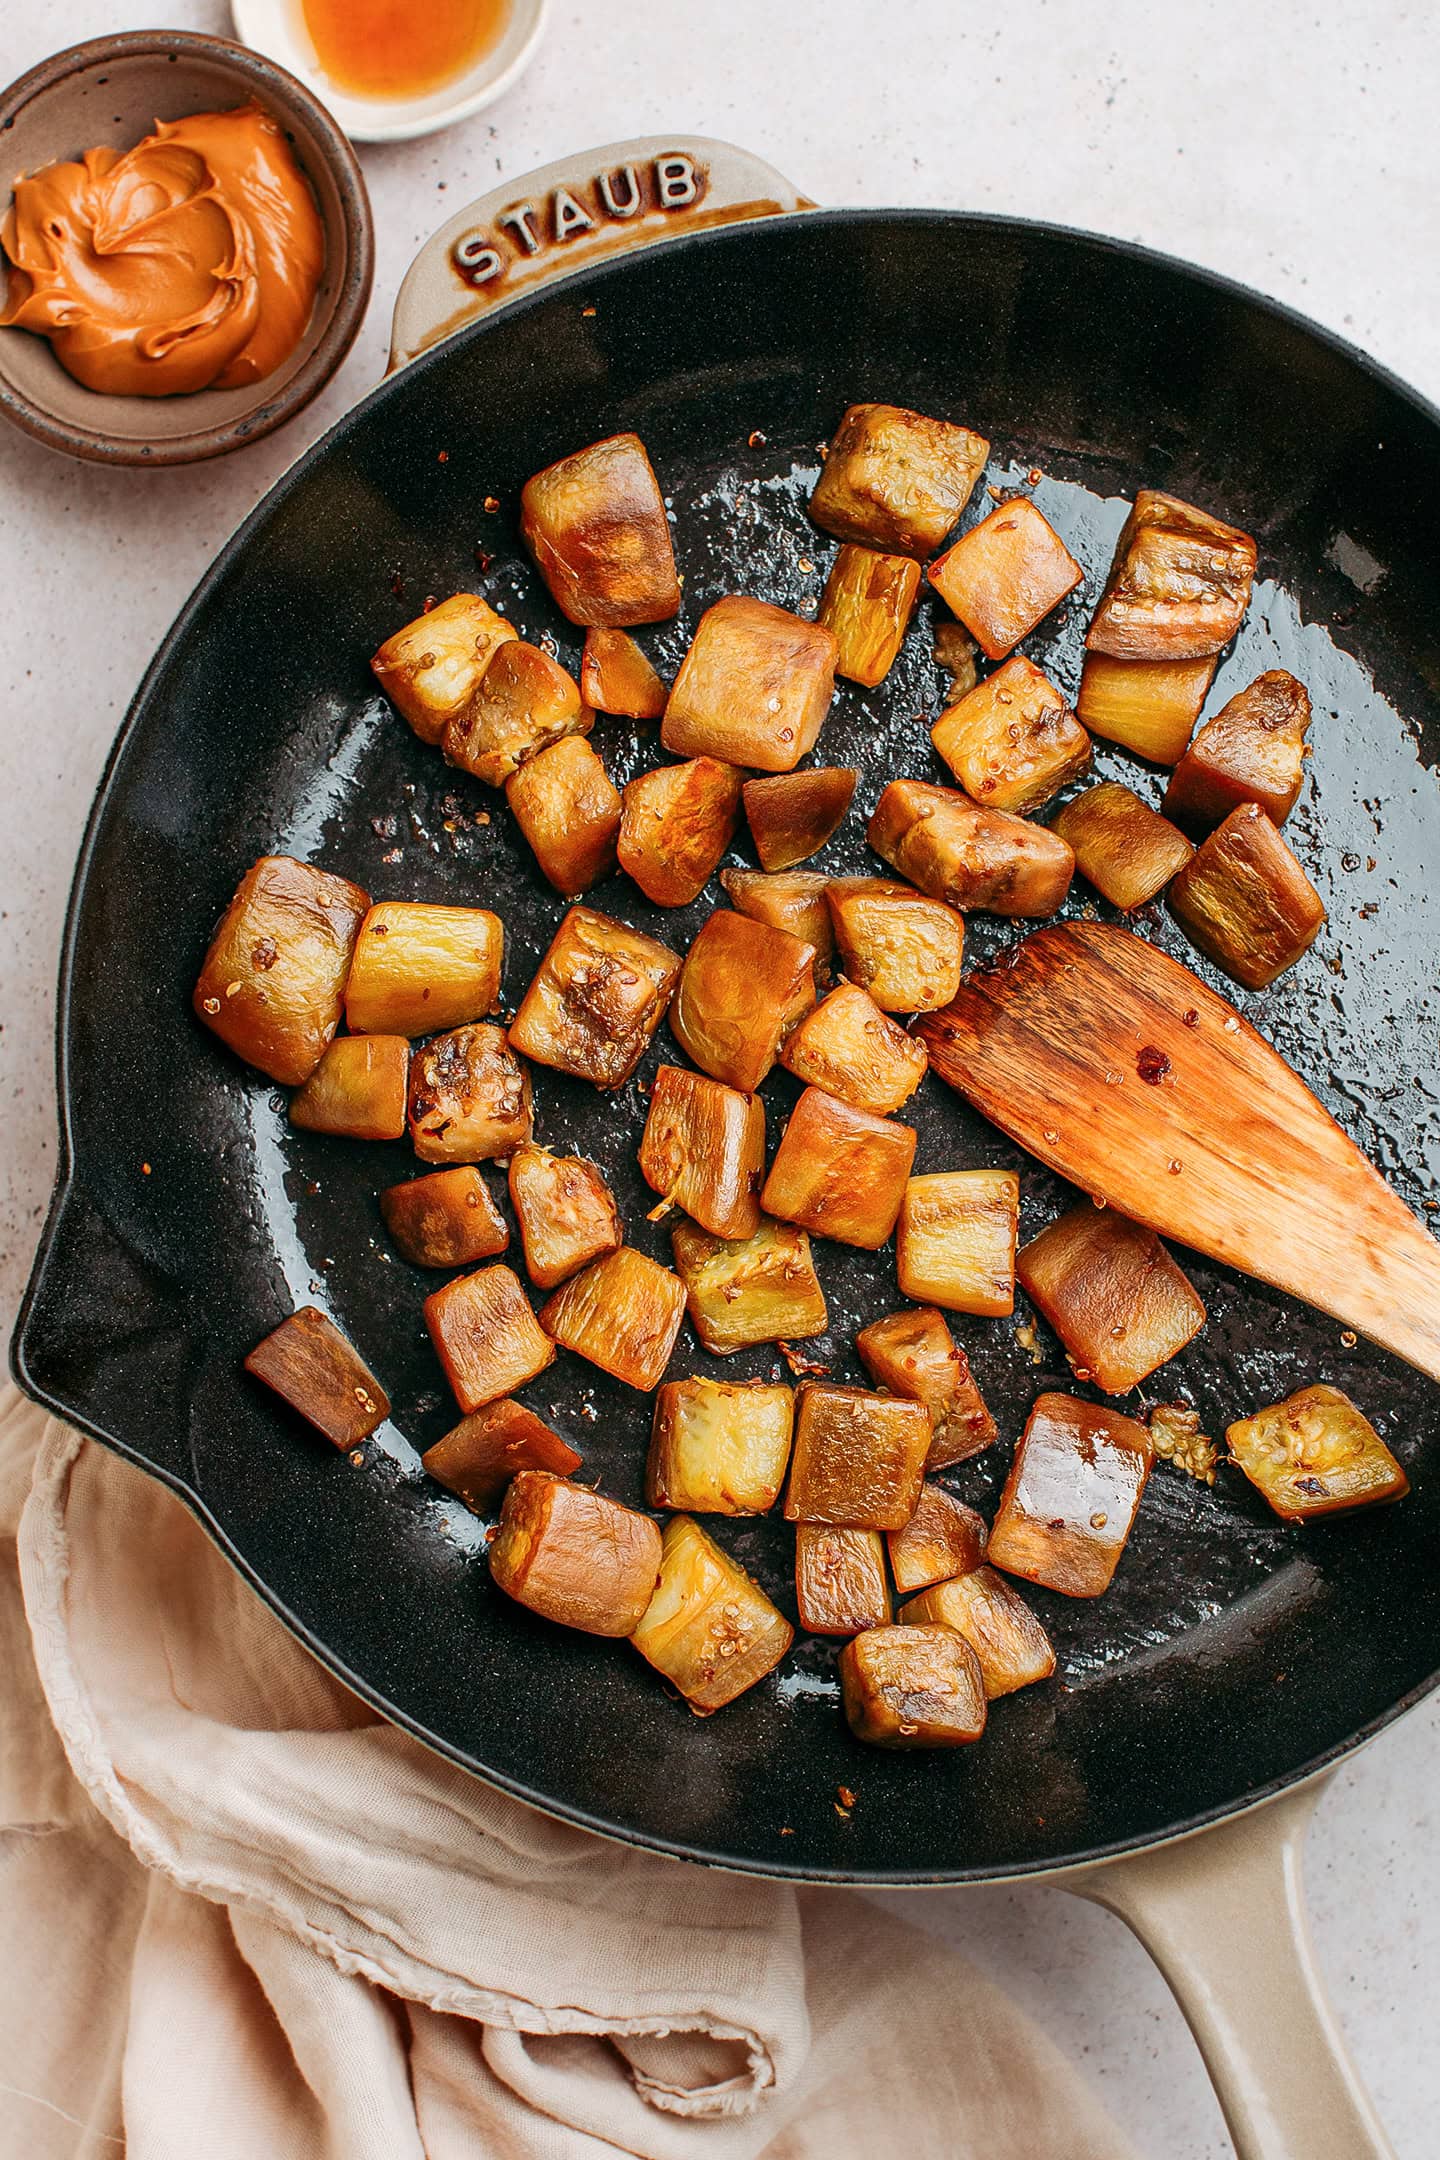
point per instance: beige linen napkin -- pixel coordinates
(240, 1917)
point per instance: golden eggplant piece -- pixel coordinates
(525, 702)
(1148, 706)
(1005, 575)
(704, 1149)
(1315, 1454)
(569, 810)
(357, 1089)
(1179, 584)
(419, 969)
(902, 948)
(469, 1097)
(616, 677)
(486, 1336)
(912, 1687)
(971, 858)
(432, 668)
(852, 1050)
(1013, 742)
(595, 523)
(753, 689)
(1013, 1648)
(571, 1555)
(676, 824)
(858, 1458)
(446, 1220)
(955, 1242)
(840, 1585)
(942, 1538)
(717, 1448)
(954, 651)
(623, 1313)
(478, 1457)
(839, 1172)
(742, 1291)
(790, 900)
(566, 1212)
(1127, 850)
(915, 1355)
(708, 1629)
(274, 977)
(792, 815)
(896, 479)
(869, 599)
(1070, 1500)
(1252, 751)
(314, 1368)
(598, 997)
(742, 989)
(1112, 1293)
(1245, 901)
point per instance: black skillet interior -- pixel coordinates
(1231, 1652)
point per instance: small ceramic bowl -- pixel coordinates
(277, 27)
(113, 90)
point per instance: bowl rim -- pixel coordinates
(352, 294)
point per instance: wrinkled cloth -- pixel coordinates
(242, 1916)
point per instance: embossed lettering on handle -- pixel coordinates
(525, 229)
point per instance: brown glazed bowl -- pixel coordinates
(113, 90)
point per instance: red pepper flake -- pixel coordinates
(786, 1831)
(264, 953)
(756, 438)
(1152, 1065)
(144, 1169)
(483, 559)
(442, 457)
(799, 1363)
(844, 1795)
(1034, 476)
(482, 817)
(397, 586)
(588, 311)
(431, 600)
(1191, 1018)
(491, 504)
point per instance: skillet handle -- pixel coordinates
(570, 215)
(1222, 1913)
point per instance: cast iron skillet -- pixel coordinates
(1233, 1655)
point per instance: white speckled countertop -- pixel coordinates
(1292, 145)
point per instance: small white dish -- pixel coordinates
(276, 28)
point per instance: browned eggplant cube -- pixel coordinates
(313, 1367)
(840, 1585)
(486, 1336)
(1112, 1293)
(272, 982)
(913, 1687)
(742, 1291)
(1178, 587)
(676, 824)
(1252, 751)
(858, 1459)
(1127, 850)
(598, 997)
(1071, 1497)
(357, 1089)
(869, 599)
(1245, 901)
(896, 479)
(974, 859)
(1315, 1454)
(790, 900)
(569, 810)
(469, 1097)
(742, 989)
(616, 677)
(708, 1629)
(571, 1555)
(704, 1149)
(478, 1457)
(839, 1172)
(432, 668)
(914, 1354)
(1013, 1648)
(595, 523)
(903, 948)
(955, 1243)
(717, 1448)
(623, 1313)
(525, 703)
(445, 1220)
(1148, 706)
(566, 1212)
(852, 1050)
(754, 687)
(792, 815)
(419, 969)
(1005, 575)
(1013, 742)
(942, 1538)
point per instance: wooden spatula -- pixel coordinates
(1119, 1068)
